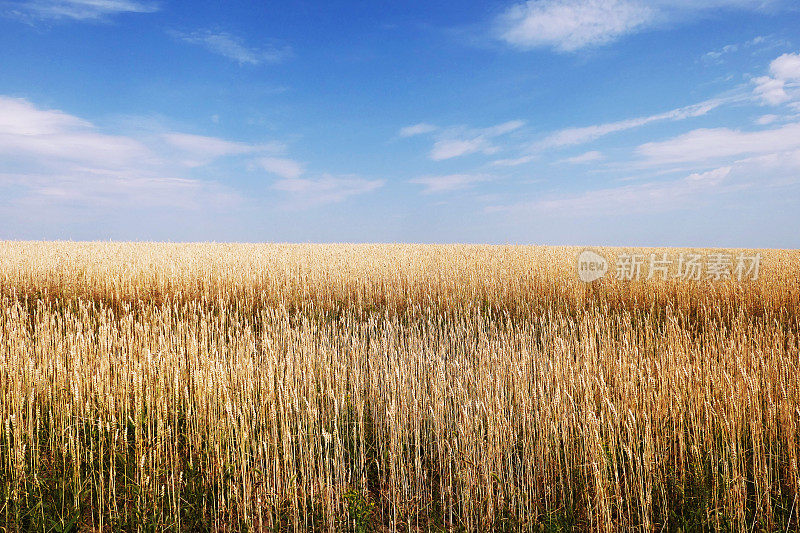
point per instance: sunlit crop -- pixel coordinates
(390, 387)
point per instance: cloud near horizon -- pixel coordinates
(686, 193)
(51, 157)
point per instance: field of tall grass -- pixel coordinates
(215, 387)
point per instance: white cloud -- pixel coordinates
(450, 182)
(784, 71)
(766, 172)
(417, 129)
(27, 131)
(637, 198)
(46, 135)
(760, 40)
(502, 129)
(283, 167)
(20, 117)
(108, 188)
(458, 141)
(573, 136)
(717, 143)
(645, 197)
(763, 120)
(514, 162)
(716, 54)
(569, 25)
(234, 48)
(770, 90)
(200, 150)
(327, 189)
(775, 164)
(449, 148)
(786, 67)
(79, 9)
(49, 156)
(586, 157)
(710, 177)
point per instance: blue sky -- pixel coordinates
(604, 122)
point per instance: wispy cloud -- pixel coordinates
(20, 117)
(105, 188)
(78, 9)
(586, 157)
(581, 135)
(570, 25)
(49, 157)
(715, 55)
(641, 197)
(502, 129)
(281, 166)
(450, 148)
(417, 129)
(514, 162)
(50, 135)
(52, 160)
(458, 141)
(718, 55)
(305, 192)
(309, 192)
(763, 120)
(766, 172)
(637, 198)
(196, 150)
(450, 182)
(717, 143)
(234, 48)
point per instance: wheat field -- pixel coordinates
(248, 387)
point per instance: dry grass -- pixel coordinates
(363, 387)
